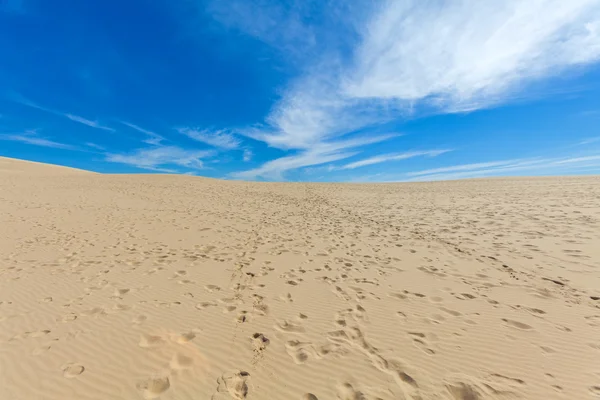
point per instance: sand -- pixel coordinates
(178, 287)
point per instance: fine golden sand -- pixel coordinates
(176, 287)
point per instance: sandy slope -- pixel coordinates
(172, 287)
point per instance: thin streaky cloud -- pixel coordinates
(75, 118)
(37, 141)
(247, 156)
(393, 157)
(589, 141)
(160, 158)
(536, 166)
(153, 138)
(95, 146)
(85, 121)
(319, 154)
(217, 138)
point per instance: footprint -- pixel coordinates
(153, 387)
(94, 312)
(181, 362)
(347, 392)
(309, 396)
(290, 327)
(517, 324)
(140, 319)
(150, 341)
(183, 337)
(259, 343)
(40, 350)
(72, 370)
(69, 318)
(242, 317)
(451, 312)
(121, 292)
(212, 288)
(229, 309)
(234, 383)
(463, 391)
(206, 304)
(297, 350)
(121, 307)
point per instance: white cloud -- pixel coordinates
(75, 118)
(413, 55)
(319, 154)
(247, 155)
(470, 53)
(217, 138)
(537, 166)
(84, 121)
(392, 157)
(589, 141)
(30, 138)
(153, 138)
(94, 146)
(157, 158)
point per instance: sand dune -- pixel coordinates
(176, 287)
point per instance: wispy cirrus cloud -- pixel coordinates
(247, 155)
(217, 138)
(536, 166)
(162, 158)
(75, 118)
(392, 157)
(321, 153)
(404, 57)
(30, 137)
(152, 139)
(589, 141)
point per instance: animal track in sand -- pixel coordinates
(234, 383)
(71, 370)
(152, 388)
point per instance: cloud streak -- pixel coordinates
(507, 167)
(161, 158)
(321, 153)
(152, 139)
(30, 138)
(216, 138)
(75, 118)
(392, 157)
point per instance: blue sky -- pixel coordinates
(373, 91)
